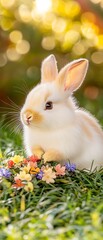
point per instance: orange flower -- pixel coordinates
(18, 183)
(34, 170)
(60, 170)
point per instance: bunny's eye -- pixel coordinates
(48, 105)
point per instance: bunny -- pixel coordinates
(54, 127)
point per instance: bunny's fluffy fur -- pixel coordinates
(64, 132)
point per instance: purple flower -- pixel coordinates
(39, 175)
(70, 167)
(5, 173)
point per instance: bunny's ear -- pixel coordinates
(49, 69)
(72, 75)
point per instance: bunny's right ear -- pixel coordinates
(72, 75)
(49, 69)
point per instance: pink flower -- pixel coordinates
(60, 170)
(32, 164)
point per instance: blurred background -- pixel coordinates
(30, 30)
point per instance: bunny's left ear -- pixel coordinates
(72, 75)
(49, 69)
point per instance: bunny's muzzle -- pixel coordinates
(29, 117)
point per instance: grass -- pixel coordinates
(72, 208)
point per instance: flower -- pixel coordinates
(29, 187)
(10, 164)
(25, 161)
(26, 168)
(32, 164)
(70, 167)
(48, 175)
(39, 175)
(5, 173)
(34, 170)
(33, 158)
(17, 159)
(18, 183)
(60, 170)
(23, 176)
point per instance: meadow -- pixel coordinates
(71, 208)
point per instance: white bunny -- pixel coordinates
(54, 126)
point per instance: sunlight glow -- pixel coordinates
(43, 6)
(7, 3)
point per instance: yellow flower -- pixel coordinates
(23, 176)
(29, 187)
(48, 175)
(26, 168)
(17, 159)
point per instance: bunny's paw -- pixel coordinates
(38, 151)
(51, 155)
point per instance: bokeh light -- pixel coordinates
(32, 29)
(7, 3)
(43, 6)
(24, 13)
(15, 36)
(97, 57)
(12, 54)
(22, 47)
(48, 43)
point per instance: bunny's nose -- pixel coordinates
(28, 116)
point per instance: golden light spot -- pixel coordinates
(59, 25)
(48, 43)
(48, 19)
(23, 47)
(80, 48)
(6, 24)
(7, 3)
(43, 6)
(12, 54)
(72, 8)
(71, 37)
(15, 36)
(24, 13)
(97, 57)
(36, 18)
(89, 30)
(96, 1)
